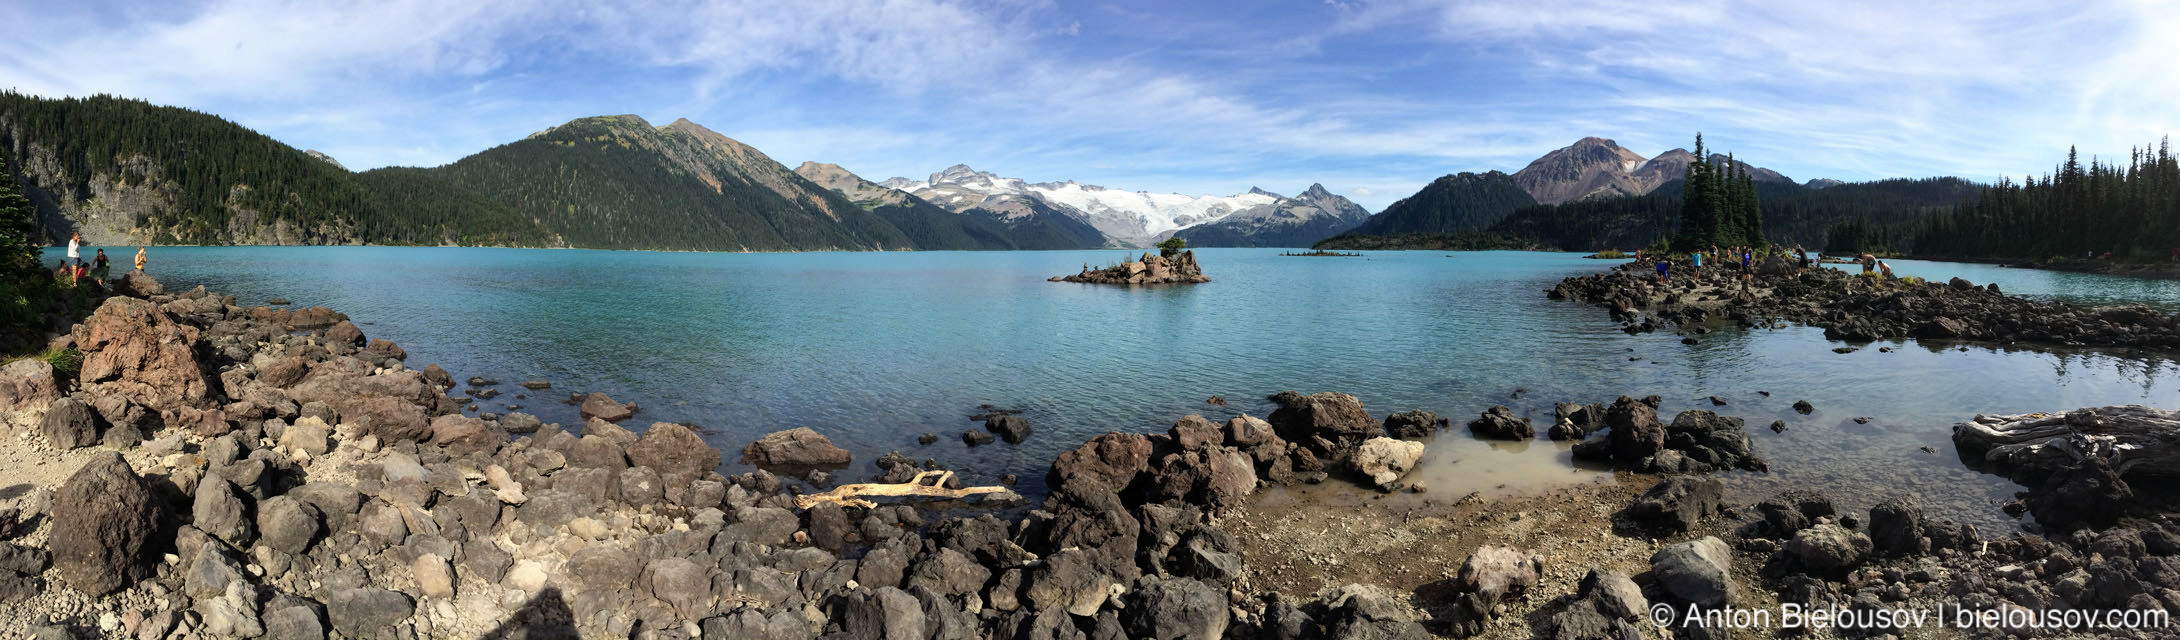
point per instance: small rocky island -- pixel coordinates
(1168, 267)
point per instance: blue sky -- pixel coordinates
(1373, 99)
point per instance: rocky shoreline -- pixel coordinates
(1177, 268)
(223, 471)
(1858, 308)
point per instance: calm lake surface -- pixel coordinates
(875, 348)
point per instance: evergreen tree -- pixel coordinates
(19, 239)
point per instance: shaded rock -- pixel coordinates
(1175, 608)
(682, 584)
(1635, 431)
(977, 438)
(1110, 459)
(1335, 416)
(1793, 510)
(885, 613)
(1500, 423)
(1828, 549)
(298, 622)
(949, 572)
(364, 612)
(1067, 580)
(1013, 429)
(69, 424)
(1413, 425)
(799, 446)
(104, 520)
(1697, 572)
(1896, 526)
(1677, 503)
(1362, 611)
(287, 523)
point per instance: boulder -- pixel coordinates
(1896, 526)
(1828, 549)
(1111, 459)
(298, 622)
(885, 613)
(27, 385)
(1067, 580)
(462, 435)
(1677, 503)
(682, 584)
(602, 407)
(1175, 608)
(133, 348)
(1698, 572)
(675, 452)
(344, 333)
(799, 446)
(287, 523)
(1495, 572)
(104, 519)
(1793, 510)
(391, 419)
(1413, 425)
(1194, 432)
(1363, 611)
(1385, 460)
(137, 284)
(70, 424)
(1500, 423)
(364, 612)
(1337, 417)
(1012, 429)
(1636, 433)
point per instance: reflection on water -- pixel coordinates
(876, 348)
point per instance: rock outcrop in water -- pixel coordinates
(1179, 268)
(1860, 308)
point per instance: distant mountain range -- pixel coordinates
(127, 172)
(1140, 219)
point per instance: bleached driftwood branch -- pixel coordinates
(2135, 439)
(846, 494)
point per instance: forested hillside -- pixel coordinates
(125, 171)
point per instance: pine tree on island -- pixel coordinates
(1718, 205)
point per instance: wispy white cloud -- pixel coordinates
(1380, 96)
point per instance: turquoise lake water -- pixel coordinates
(875, 348)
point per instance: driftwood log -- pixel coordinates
(846, 495)
(2137, 441)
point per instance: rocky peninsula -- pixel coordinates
(1860, 308)
(221, 471)
(1164, 268)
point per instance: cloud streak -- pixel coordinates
(1371, 98)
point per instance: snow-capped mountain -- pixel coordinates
(1127, 218)
(1287, 222)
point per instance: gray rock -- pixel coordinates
(1067, 580)
(296, 622)
(763, 525)
(1175, 608)
(885, 613)
(1500, 423)
(1677, 503)
(24, 560)
(1012, 429)
(1697, 572)
(381, 524)
(233, 613)
(287, 524)
(1361, 611)
(604, 569)
(950, 573)
(1828, 549)
(69, 424)
(210, 573)
(1495, 572)
(367, 612)
(485, 561)
(641, 486)
(682, 584)
(756, 624)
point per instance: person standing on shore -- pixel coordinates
(1663, 275)
(99, 267)
(75, 249)
(139, 258)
